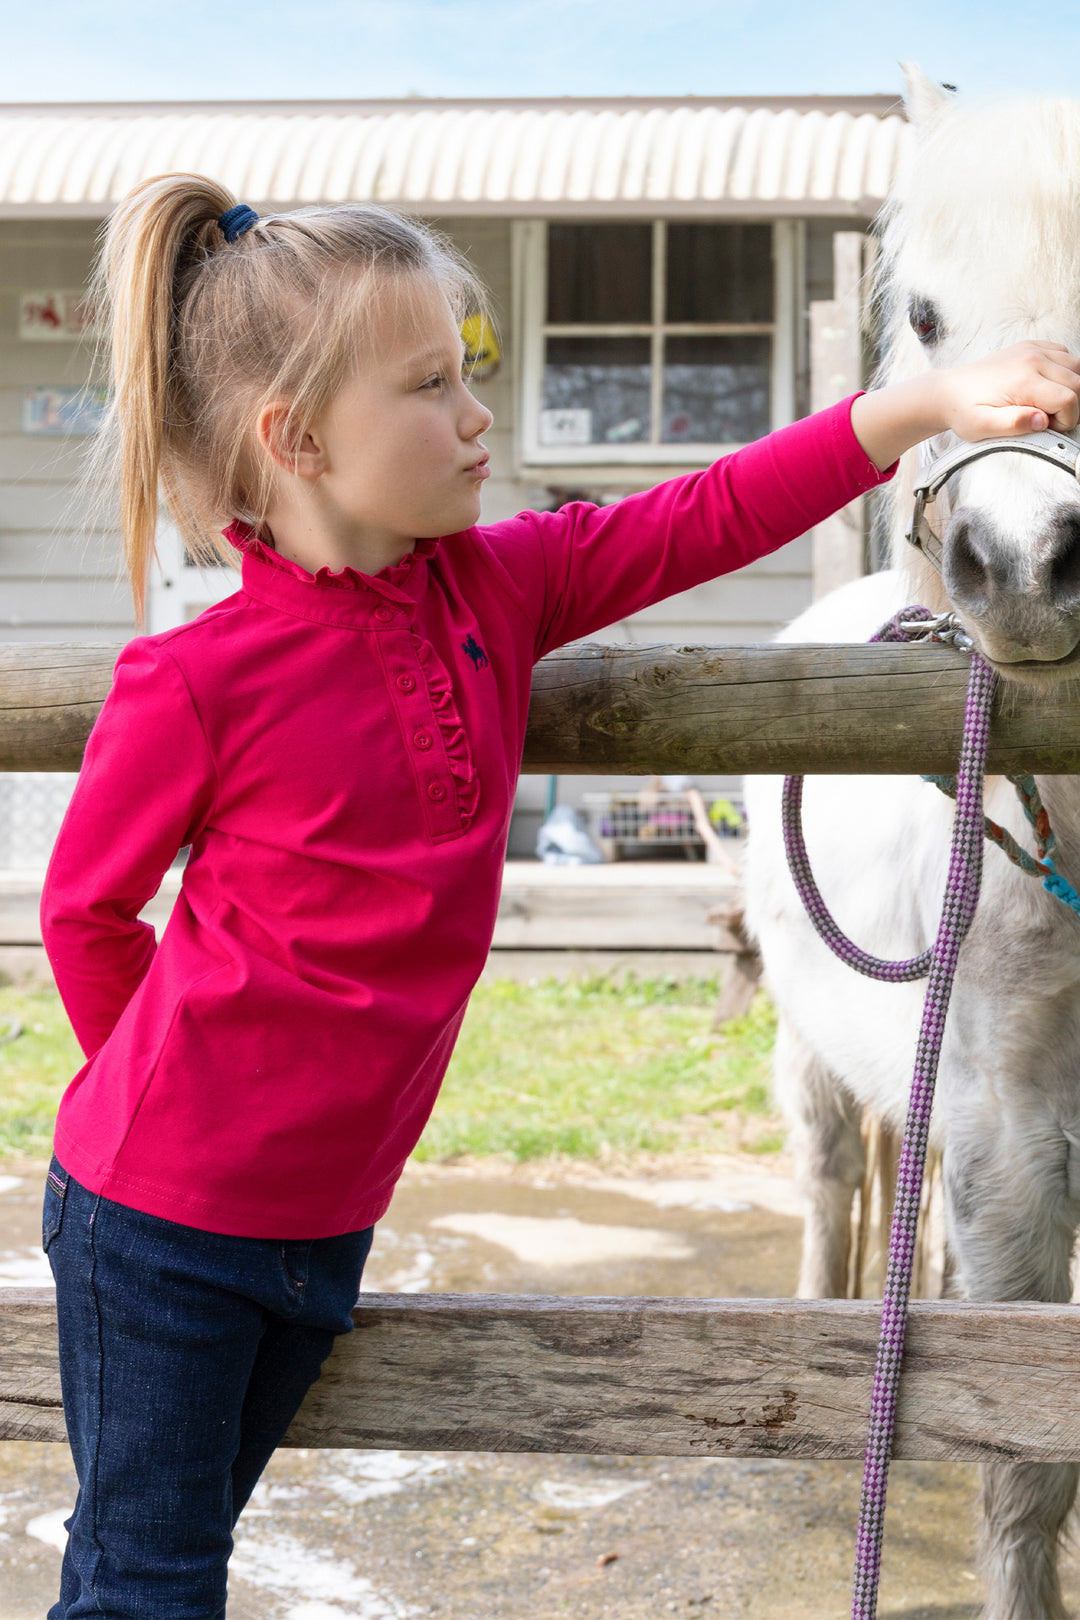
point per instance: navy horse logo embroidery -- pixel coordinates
(474, 650)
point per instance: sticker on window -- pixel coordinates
(566, 426)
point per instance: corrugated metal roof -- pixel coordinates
(692, 157)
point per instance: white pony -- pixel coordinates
(981, 248)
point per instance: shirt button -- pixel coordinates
(384, 613)
(422, 739)
(436, 791)
(407, 683)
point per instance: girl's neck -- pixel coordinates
(306, 538)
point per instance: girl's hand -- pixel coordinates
(1024, 389)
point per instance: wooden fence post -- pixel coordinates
(836, 370)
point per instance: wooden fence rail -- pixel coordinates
(645, 1377)
(636, 710)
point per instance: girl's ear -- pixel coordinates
(291, 450)
(923, 98)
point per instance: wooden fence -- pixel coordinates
(636, 710)
(765, 1378)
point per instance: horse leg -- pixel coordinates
(827, 1147)
(1012, 1225)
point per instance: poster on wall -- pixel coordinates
(61, 412)
(56, 315)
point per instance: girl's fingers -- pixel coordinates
(1057, 402)
(1056, 349)
(1051, 390)
(1058, 372)
(1060, 404)
(1006, 421)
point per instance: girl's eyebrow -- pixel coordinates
(427, 357)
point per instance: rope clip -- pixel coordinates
(942, 628)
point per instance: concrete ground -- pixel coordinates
(352, 1535)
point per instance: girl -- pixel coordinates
(338, 743)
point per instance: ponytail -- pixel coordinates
(159, 231)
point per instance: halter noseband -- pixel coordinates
(934, 472)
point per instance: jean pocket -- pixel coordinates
(52, 1211)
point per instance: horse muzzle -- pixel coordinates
(1025, 617)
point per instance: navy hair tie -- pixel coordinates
(235, 221)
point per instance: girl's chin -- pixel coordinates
(466, 514)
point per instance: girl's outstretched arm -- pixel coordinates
(145, 790)
(584, 567)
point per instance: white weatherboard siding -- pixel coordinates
(59, 579)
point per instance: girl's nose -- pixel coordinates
(478, 418)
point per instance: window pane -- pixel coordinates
(599, 273)
(716, 389)
(596, 391)
(719, 273)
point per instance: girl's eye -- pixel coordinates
(925, 320)
(434, 382)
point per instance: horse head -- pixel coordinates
(981, 249)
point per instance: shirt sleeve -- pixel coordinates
(146, 788)
(586, 566)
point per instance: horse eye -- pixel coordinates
(925, 320)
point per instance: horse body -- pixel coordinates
(982, 234)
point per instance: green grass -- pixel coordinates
(581, 1069)
(591, 1068)
(34, 1070)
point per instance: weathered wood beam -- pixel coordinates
(636, 710)
(763, 709)
(646, 1377)
(49, 698)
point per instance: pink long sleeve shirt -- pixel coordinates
(340, 751)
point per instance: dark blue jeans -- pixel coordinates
(184, 1356)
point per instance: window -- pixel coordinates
(661, 341)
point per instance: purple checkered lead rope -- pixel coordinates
(961, 898)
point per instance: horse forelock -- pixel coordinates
(985, 218)
(983, 223)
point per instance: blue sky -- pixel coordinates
(243, 49)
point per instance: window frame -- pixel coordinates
(530, 265)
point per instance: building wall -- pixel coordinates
(59, 572)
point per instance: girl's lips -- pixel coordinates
(481, 468)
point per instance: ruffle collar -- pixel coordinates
(243, 537)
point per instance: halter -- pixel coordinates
(935, 471)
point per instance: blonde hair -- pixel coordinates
(201, 332)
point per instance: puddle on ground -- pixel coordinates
(361, 1535)
(525, 1233)
(562, 1242)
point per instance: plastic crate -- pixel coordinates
(635, 823)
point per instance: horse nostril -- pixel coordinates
(1064, 579)
(965, 564)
